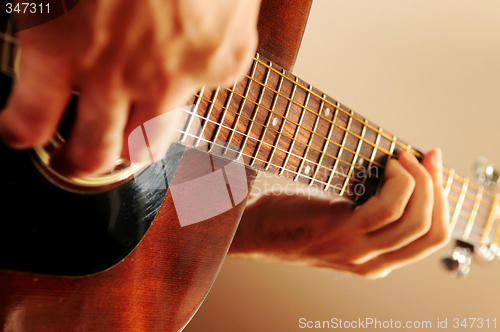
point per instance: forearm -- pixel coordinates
(278, 226)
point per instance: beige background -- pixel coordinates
(428, 71)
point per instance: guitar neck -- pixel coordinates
(273, 121)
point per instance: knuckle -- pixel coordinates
(224, 62)
(391, 211)
(426, 179)
(440, 239)
(421, 228)
(407, 180)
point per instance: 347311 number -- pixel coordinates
(475, 322)
(29, 7)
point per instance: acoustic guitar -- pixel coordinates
(135, 250)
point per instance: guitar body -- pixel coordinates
(158, 273)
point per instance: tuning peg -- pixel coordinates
(485, 172)
(458, 263)
(488, 252)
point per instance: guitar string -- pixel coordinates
(468, 194)
(465, 213)
(405, 147)
(291, 138)
(312, 133)
(271, 145)
(317, 114)
(251, 157)
(450, 197)
(465, 204)
(332, 123)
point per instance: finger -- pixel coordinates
(417, 218)
(38, 100)
(435, 238)
(432, 161)
(97, 135)
(150, 133)
(152, 127)
(389, 205)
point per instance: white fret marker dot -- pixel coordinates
(327, 112)
(360, 161)
(307, 170)
(275, 121)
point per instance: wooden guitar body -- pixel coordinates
(158, 273)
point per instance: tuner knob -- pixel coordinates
(485, 172)
(458, 263)
(495, 249)
(488, 252)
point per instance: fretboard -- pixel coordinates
(272, 121)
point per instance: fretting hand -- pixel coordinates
(406, 222)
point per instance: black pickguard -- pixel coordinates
(45, 229)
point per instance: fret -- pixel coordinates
(254, 115)
(354, 159)
(449, 182)
(492, 216)
(207, 116)
(391, 149)
(223, 115)
(306, 102)
(242, 105)
(473, 213)
(339, 153)
(282, 126)
(325, 147)
(458, 207)
(268, 121)
(191, 115)
(372, 158)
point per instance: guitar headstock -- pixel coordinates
(487, 245)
